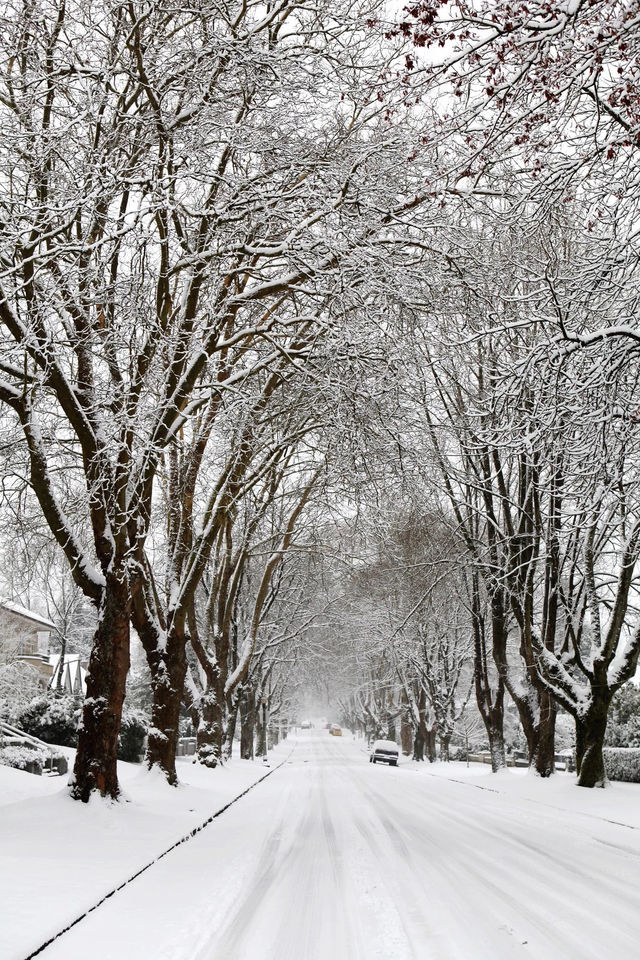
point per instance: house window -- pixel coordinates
(28, 646)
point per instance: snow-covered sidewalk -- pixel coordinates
(59, 857)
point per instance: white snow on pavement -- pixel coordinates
(333, 858)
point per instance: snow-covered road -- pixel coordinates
(332, 858)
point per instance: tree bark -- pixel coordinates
(590, 733)
(210, 734)
(430, 742)
(168, 676)
(97, 755)
(543, 759)
(496, 748)
(247, 724)
(406, 735)
(490, 702)
(261, 739)
(230, 732)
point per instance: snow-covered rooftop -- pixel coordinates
(28, 614)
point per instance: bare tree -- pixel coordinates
(164, 201)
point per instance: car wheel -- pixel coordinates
(394, 763)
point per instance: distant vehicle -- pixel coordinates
(306, 724)
(385, 751)
(335, 730)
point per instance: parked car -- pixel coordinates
(306, 725)
(335, 730)
(385, 751)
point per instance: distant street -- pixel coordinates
(332, 858)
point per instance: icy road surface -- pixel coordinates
(332, 858)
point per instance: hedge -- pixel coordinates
(133, 731)
(55, 720)
(51, 718)
(622, 763)
(31, 758)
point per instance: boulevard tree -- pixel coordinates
(175, 205)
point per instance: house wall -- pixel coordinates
(20, 637)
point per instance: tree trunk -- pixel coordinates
(496, 748)
(543, 759)
(210, 734)
(261, 740)
(430, 742)
(406, 735)
(231, 727)
(445, 741)
(490, 702)
(61, 663)
(168, 686)
(97, 755)
(590, 733)
(423, 738)
(406, 730)
(247, 723)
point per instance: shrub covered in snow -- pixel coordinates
(23, 757)
(18, 687)
(55, 719)
(132, 733)
(622, 763)
(51, 718)
(623, 728)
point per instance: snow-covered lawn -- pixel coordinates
(58, 857)
(619, 802)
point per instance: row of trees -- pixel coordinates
(244, 245)
(179, 226)
(515, 423)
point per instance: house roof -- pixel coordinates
(27, 614)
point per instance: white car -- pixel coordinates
(386, 751)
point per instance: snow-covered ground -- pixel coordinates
(330, 858)
(59, 857)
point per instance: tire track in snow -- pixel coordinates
(532, 902)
